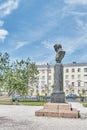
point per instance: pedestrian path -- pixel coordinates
(80, 108)
(16, 117)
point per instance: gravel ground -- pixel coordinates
(13, 117)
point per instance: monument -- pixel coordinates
(58, 96)
(58, 107)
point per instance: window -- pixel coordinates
(49, 71)
(49, 77)
(66, 91)
(85, 76)
(66, 76)
(43, 71)
(73, 76)
(85, 83)
(79, 83)
(43, 77)
(49, 83)
(67, 70)
(79, 76)
(72, 91)
(43, 91)
(85, 69)
(66, 83)
(78, 91)
(79, 69)
(85, 91)
(43, 82)
(73, 84)
(73, 70)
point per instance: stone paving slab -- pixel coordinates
(14, 117)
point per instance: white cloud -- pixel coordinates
(81, 27)
(75, 44)
(70, 45)
(80, 40)
(70, 8)
(3, 34)
(82, 2)
(79, 23)
(44, 57)
(21, 44)
(72, 11)
(48, 44)
(77, 13)
(7, 7)
(1, 23)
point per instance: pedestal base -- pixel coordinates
(58, 97)
(58, 110)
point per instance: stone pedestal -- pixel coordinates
(58, 96)
(58, 110)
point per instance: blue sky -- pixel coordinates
(30, 28)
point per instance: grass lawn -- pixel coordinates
(5, 102)
(30, 103)
(85, 104)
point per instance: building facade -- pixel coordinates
(46, 79)
(74, 78)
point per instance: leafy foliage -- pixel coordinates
(18, 76)
(4, 67)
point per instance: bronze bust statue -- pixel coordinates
(59, 53)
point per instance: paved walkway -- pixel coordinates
(80, 108)
(14, 117)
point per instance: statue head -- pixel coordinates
(57, 47)
(59, 53)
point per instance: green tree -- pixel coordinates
(4, 67)
(83, 91)
(46, 90)
(20, 76)
(52, 87)
(82, 95)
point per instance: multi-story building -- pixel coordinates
(46, 79)
(74, 78)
